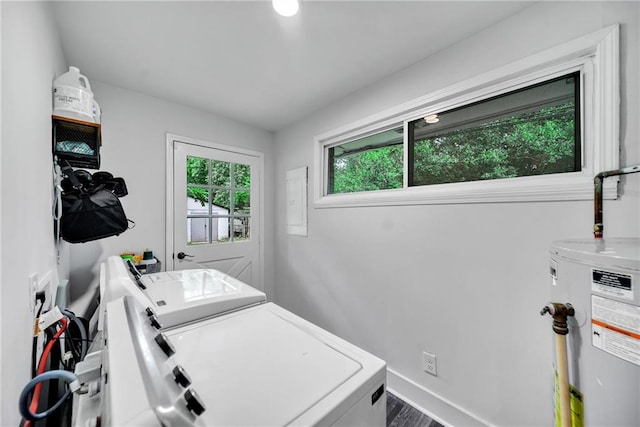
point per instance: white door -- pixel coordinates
(216, 210)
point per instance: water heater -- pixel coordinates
(600, 278)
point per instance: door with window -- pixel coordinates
(216, 210)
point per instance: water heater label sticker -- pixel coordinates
(614, 284)
(616, 328)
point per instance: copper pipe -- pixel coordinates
(598, 227)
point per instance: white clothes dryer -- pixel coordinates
(261, 366)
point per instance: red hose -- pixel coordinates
(42, 367)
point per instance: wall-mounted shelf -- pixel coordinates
(76, 141)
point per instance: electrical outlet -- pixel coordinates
(44, 285)
(33, 288)
(429, 363)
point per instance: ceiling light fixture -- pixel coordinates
(432, 118)
(286, 7)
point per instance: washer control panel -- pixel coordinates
(143, 383)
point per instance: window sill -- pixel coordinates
(568, 187)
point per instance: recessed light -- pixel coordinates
(432, 118)
(286, 7)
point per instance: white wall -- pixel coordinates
(134, 128)
(31, 57)
(465, 282)
(134, 134)
(0, 212)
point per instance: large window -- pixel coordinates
(532, 131)
(370, 163)
(538, 129)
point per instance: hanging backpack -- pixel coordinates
(91, 209)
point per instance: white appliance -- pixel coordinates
(223, 358)
(600, 278)
(177, 297)
(261, 366)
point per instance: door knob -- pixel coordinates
(182, 255)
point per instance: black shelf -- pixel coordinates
(77, 142)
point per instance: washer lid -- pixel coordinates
(261, 367)
(182, 296)
(179, 297)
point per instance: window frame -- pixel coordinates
(595, 56)
(576, 133)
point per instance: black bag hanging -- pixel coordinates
(89, 210)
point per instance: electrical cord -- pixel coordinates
(75, 350)
(28, 412)
(57, 200)
(41, 370)
(34, 348)
(83, 333)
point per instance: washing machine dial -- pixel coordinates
(155, 322)
(181, 376)
(164, 343)
(194, 404)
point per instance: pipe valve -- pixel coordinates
(560, 312)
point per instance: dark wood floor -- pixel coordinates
(401, 414)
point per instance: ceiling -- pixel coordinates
(241, 60)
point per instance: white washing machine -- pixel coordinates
(176, 297)
(256, 365)
(261, 366)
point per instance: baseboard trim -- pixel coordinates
(440, 409)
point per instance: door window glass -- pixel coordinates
(218, 208)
